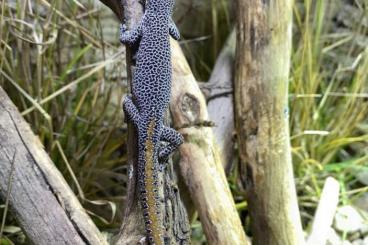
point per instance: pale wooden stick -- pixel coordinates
(220, 101)
(325, 212)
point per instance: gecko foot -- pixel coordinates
(173, 138)
(130, 36)
(130, 110)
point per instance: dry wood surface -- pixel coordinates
(261, 105)
(41, 200)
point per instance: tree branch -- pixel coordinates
(220, 101)
(116, 7)
(200, 160)
(261, 101)
(43, 203)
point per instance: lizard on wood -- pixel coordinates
(151, 90)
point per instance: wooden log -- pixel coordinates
(200, 161)
(174, 217)
(261, 101)
(41, 200)
(220, 101)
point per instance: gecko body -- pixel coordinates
(151, 89)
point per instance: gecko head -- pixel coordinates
(161, 6)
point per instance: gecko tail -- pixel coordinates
(149, 187)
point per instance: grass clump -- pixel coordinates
(328, 99)
(64, 76)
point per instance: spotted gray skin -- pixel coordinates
(151, 89)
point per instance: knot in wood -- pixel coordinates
(190, 107)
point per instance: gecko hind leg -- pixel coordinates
(174, 139)
(173, 30)
(131, 111)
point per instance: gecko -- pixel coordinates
(151, 90)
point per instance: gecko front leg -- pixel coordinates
(173, 30)
(131, 111)
(174, 139)
(130, 36)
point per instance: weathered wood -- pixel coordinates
(41, 200)
(220, 101)
(174, 217)
(325, 212)
(261, 106)
(200, 162)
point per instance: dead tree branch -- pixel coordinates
(220, 101)
(261, 100)
(41, 200)
(200, 160)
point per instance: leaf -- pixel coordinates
(12, 229)
(5, 241)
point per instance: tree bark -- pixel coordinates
(44, 205)
(261, 95)
(174, 219)
(200, 160)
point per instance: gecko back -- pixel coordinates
(151, 91)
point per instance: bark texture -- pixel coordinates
(41, 200)
(261, 93)
(200, 161)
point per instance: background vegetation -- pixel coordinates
(62, 65)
